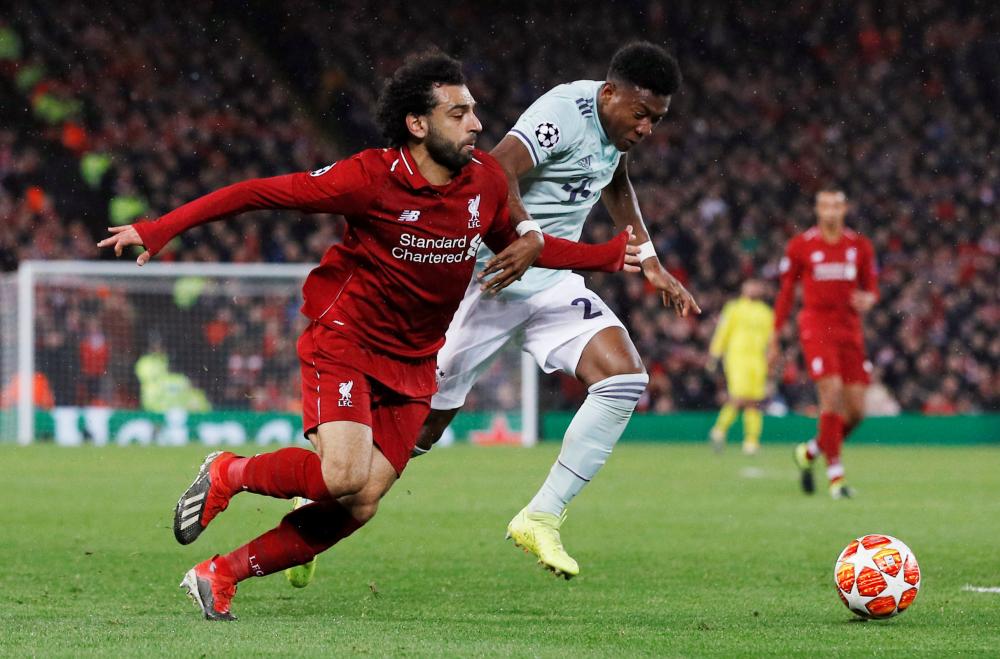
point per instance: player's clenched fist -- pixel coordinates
(122, 237)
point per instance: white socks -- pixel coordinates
(591, 435)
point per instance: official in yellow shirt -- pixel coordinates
(741, 341)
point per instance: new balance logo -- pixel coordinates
(345, 394)
(409, 216)
(586, 106)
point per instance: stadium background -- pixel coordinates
(123, 111)
(118, 110)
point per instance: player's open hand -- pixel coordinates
(122, 237)
(862, 301)
(673, 292)
(512, 263)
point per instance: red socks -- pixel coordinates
(283, 474)
(301, 535)
(830, 437)
(849, 428)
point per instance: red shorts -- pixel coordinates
(337, 386)
(825, 358)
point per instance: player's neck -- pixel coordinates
(430, 169)
(831, 234)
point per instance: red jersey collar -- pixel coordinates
(406, 169)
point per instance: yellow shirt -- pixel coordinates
(744, 330)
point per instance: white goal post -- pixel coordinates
(65, 325)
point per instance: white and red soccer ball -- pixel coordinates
(877, 576)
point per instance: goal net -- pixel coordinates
(110, 353)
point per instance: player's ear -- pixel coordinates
(417, 125)
(607, 90)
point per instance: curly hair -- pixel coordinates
(410, 90)
(646, 66)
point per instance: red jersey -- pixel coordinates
(397, 278)
(829, 273)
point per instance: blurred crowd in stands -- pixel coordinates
(129, 110)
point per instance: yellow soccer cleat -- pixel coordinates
(805, 465)
(301, 576)
(538, 534)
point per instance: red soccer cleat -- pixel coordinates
(212, 591)
(207, 496)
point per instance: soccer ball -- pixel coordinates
(877, 576)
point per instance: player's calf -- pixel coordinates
(589, 439)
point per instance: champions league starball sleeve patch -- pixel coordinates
(547, 134)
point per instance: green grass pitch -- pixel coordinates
(683, 553)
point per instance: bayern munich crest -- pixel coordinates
(547, 134)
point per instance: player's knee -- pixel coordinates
(344, 478)
(628, 365)
(831, 396)
(620, 391)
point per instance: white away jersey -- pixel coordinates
(574, 161)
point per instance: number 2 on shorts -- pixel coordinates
(587, 313)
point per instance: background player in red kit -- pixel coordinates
(380, 303)
(839, 283)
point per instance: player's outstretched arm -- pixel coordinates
(620, 200)
(343, 189)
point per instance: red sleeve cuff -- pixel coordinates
(154, 235)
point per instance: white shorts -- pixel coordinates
(553, 325)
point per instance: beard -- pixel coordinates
(445, 153)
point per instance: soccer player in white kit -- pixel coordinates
(567, 150)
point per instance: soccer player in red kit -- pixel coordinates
(839, 284)
(379, 303)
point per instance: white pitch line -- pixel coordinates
(981, 589)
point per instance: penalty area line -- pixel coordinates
(981, 589)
